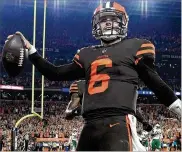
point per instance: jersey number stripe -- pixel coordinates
(94, 76)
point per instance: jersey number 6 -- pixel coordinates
(94, 77)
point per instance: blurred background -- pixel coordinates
(68, 28)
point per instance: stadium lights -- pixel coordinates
(178, 93)
(144, 7)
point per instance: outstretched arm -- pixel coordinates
(163, 92)
(68, 72)
(144, 61)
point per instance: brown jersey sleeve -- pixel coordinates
(56, 73)
(145, 64)
(78, 87)
(147, 49)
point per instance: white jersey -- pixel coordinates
(72, 137)
(136, 144)
(157, 133)
(73, 140)
(144, 135)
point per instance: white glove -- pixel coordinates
(68, 111)
(32, 50)
(176, 107)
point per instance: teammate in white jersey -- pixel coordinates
(156, 138)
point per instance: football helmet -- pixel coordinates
(74, 133)
(118, 18)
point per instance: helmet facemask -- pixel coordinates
(117, 29)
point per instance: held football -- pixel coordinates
(13, 56)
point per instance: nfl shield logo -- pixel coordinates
(104, 51)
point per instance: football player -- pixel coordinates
(77, 90)
(145, 139)
(73, 140)
(156, 138)
(112, 71)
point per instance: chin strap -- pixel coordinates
(110, 42)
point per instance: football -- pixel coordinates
(13, 56)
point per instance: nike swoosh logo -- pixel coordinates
(112, 125)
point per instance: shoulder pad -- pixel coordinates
(92, 47)
(140, 40)
(80, 81)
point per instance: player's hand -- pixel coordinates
(26, 42)
(147, 127)
(176, 108)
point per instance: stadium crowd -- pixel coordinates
(55, 126)
(16, 104)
